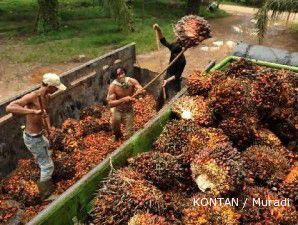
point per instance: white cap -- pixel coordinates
(52, 79)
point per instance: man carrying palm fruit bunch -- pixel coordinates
(190, 31)
(120, 98)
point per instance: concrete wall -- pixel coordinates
(87, 84)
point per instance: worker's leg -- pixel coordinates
(129, 122)
(39, 147)
(116, 123)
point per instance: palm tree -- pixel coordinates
(277, 7)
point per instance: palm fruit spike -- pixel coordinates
(212, 214)
(124, 193)
(163, 169)
(243, 69)
(231, 98)
(93, 111)
(147, 219)
(289, 187)
(265, 165)
(193, 108)
(90, 125)
(192, 30)
(218, 171)
(204, 137)
(174, 136)
(198, 83)
(240, 130)
(268, 213)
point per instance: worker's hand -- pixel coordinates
(140, 91)
(36, 111)
(156, 27)
(128, 99)
(164, 83)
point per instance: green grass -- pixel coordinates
(294, 27)
(86, 29)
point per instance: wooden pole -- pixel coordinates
(44, 117)
(155, 78)
(157, 40)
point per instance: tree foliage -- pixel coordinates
(277, 6)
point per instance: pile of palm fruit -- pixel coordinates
(238, 154)
(77, 147)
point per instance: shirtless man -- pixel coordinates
(120, 99)
(33, 136)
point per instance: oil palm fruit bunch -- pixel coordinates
(205, 137)
(230, 98)
(8, 209)
(199, 83)
(64, 166)
(192, 30)
(57, 138)
(147, 219)
(266, 92)
(193, 108)
(265, 165)
(218, 171)
(175, 136)
(163, 169)
(242, 68)
(289, 187)
(261, 209)
(90, 125)
(124, 193)
(93, 111)
(263, 136)
(240, 130)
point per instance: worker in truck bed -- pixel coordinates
(33, 135)
(172, 80)
(120, 99)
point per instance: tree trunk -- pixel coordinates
(48, 18)
(193, 6)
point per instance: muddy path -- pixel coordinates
(15, 78)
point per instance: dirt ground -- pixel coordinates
(238, 27)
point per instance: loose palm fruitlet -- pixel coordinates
(230, 98)
(218, 171)
(163, 169)
(209, 214)
(265, 165)
(289, 187)
(147, 219)
(240, 130)
(93, 111)
(124, 193)
(262, 206)
(193, 108)
(192, 30)
(204, 137)
(175, 136)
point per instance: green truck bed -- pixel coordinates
(75, 204)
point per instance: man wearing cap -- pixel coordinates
(120, 99)
(34, 139)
